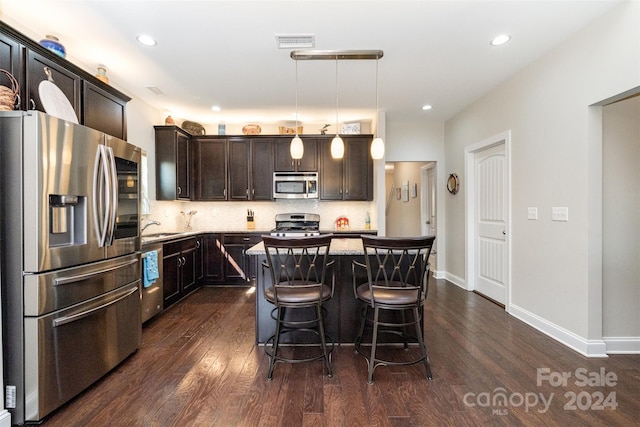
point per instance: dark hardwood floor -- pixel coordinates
(199, 366)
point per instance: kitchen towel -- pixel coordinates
(150, 268)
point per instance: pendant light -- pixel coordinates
(337, 145)
(296, 148)
(377, 146)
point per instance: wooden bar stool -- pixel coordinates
(299, 272)
(394, 294)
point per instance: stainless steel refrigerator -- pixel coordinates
(70, 261)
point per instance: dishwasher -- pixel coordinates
(152, 296)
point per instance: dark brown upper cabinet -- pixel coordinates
(284, 162)
(250, 169)
(210, 168)
(173, 163)
(349, 178)
(95, 103)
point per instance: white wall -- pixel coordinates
(621, 225)
(546, 107)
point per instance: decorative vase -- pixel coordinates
(53, 44)
(169, 121)
(102, 73)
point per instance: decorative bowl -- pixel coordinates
(251, 129)
(284, 130)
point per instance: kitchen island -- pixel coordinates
(343, 310)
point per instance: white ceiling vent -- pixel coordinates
(155, 90)
(295, 41)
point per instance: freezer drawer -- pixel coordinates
(51, 291)
(72, 348)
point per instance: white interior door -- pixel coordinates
(491, 210)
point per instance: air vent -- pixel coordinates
(155, 90)
(295, 41)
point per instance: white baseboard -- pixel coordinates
(5, 418)
(438, 274)
(589, 348)
(459, 281)
(622, 345)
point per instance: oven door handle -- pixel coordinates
(74, 317)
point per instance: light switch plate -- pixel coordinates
(532, 213)
(559, 214)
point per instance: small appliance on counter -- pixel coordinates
(297, 225)
(342, 223)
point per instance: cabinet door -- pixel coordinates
(261, 169)
(235, 265)
(210, 181)
(183, 163)
(199, 259)
(67, 82)
(330, 174)
(284, 162)
(238, 169)
(103, 111)
(171, 278)
(10, 61)
(213, 258)
(309, 160)
(173, 170)
(188, 272)
(358, 170)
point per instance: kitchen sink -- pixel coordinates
(158, 235)
(155, 236)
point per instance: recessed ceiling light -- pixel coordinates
(146, 40)
(500, 40)
(216, 108)
(427, 107)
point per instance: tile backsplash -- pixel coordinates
(232, 216)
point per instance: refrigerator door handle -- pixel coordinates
(98, 196)
(112, 194)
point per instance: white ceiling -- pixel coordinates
(224, 52)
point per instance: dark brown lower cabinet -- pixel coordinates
(180, 268)
(225, 258)
(236, 258)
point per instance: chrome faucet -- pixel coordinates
(148, 224)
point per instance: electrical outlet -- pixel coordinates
(532, 213)
(560, 214)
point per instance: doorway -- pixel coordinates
(488, 261)
(404, 209)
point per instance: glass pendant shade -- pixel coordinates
(337, 147)
(296, 148)
(377, 148)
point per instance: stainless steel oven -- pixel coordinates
(295, 185)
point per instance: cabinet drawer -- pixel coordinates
(179, 246)
(247, 239)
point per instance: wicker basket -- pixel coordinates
(9, 96)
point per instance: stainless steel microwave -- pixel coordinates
(295, 185)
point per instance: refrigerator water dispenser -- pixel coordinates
(67, 219)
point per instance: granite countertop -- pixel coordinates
(339, 246)
(162, 236)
